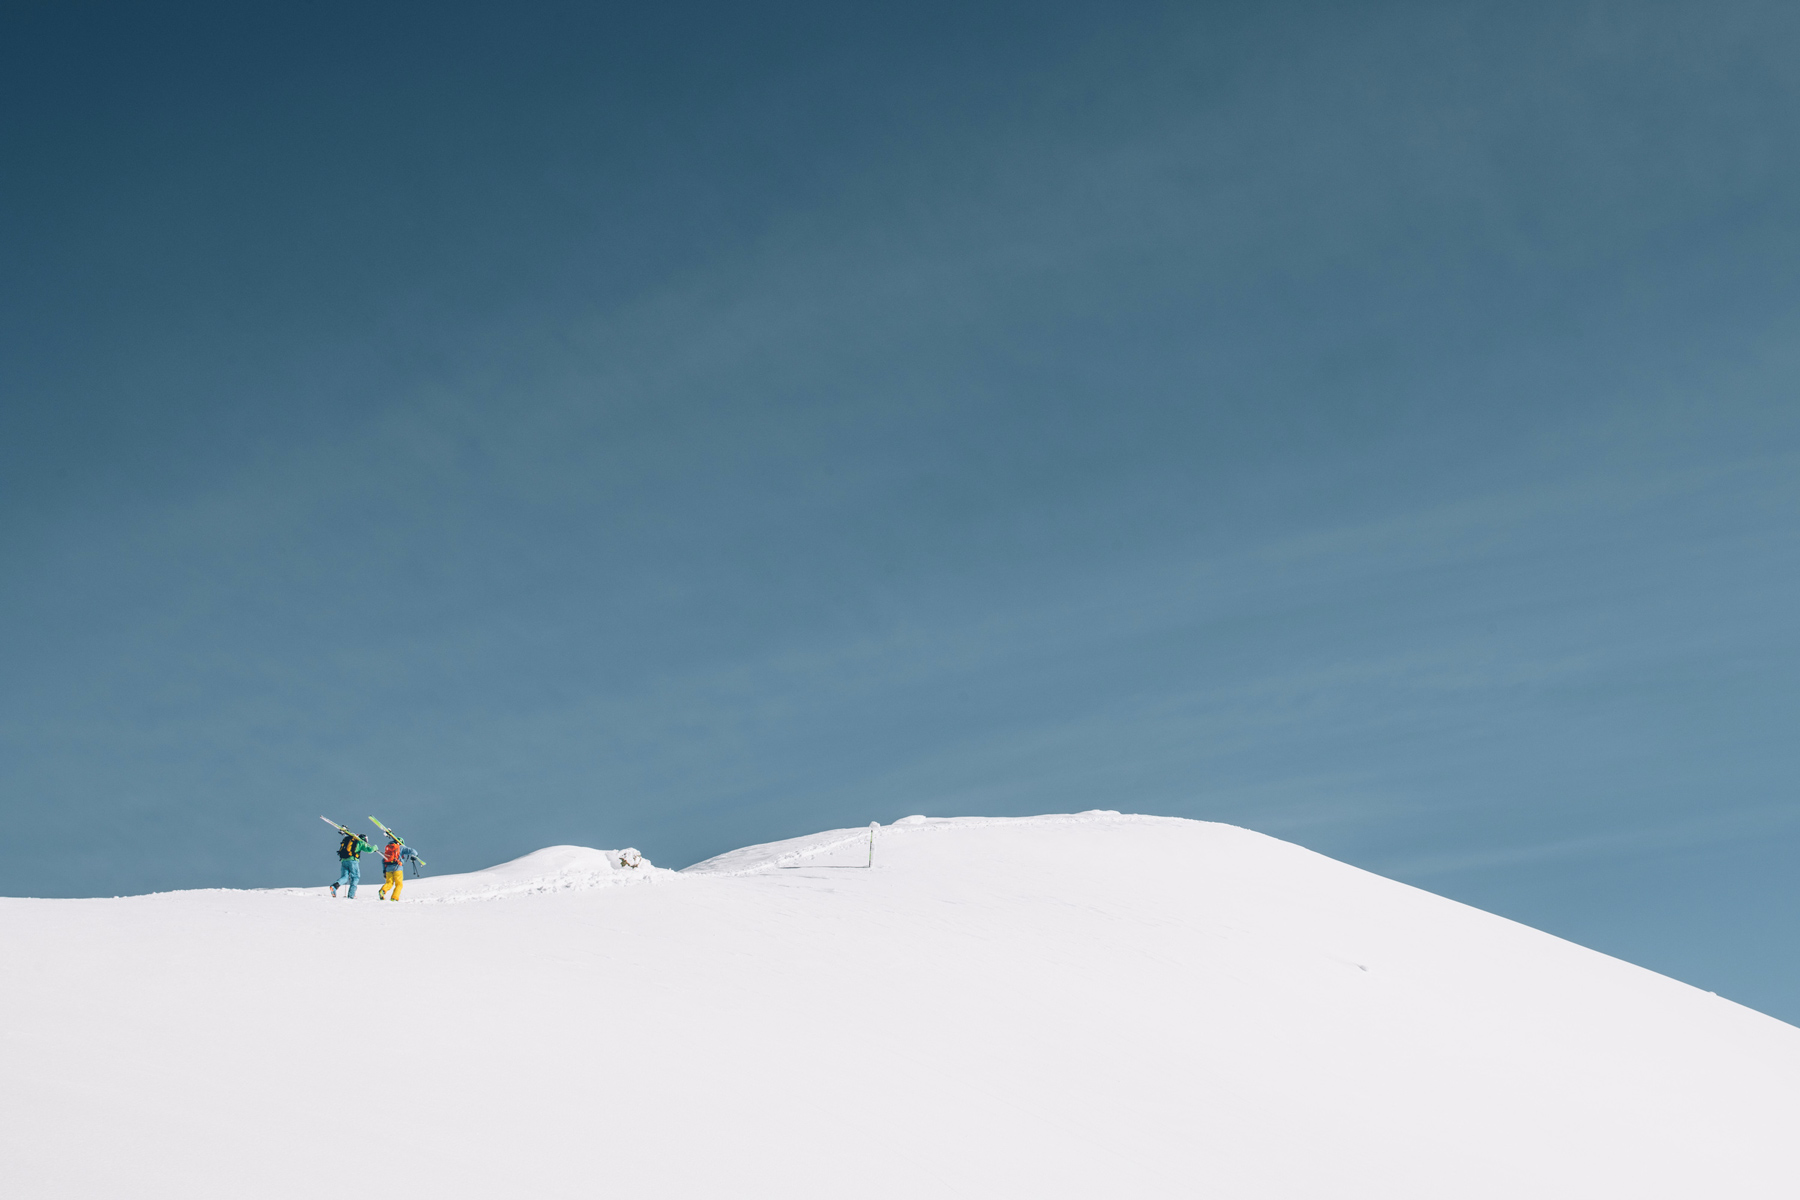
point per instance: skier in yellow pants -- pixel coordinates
(393, 868)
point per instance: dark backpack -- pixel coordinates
(348, 848)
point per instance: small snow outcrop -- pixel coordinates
(553, 869)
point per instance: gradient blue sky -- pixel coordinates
(686, 426)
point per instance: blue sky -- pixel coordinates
(686, 426)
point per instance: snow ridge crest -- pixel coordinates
(772, 856)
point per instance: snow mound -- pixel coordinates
(552, 869)
(770, 856)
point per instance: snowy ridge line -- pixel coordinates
(791, 857)
(754, 863)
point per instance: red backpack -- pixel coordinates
(390, 854)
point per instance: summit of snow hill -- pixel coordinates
(1069, 1005)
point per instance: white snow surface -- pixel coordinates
(1079, 1005)
(552, 869)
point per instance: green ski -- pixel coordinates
(347, 832)
(399, 839)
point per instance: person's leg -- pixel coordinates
(399, 877)
(345, 866)
(354, 870)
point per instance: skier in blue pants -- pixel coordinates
(350, 869)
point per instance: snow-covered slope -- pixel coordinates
(1060, 1006)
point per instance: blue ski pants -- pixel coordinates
(350, 874)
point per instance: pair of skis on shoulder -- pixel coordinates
(348, 832)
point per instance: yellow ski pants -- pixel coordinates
(393, 880)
